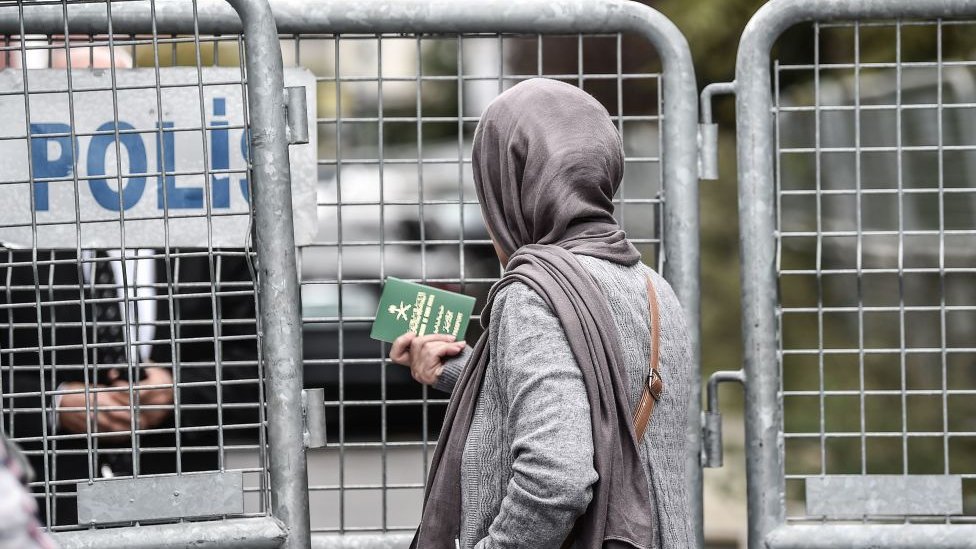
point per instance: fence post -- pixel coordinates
(278, 292)
(757, 225)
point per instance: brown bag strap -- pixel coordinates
(655, 385)
(652, 389)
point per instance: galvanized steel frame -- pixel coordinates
(279, 302)
(680, 152)
(281, 325)
(288, 525)
(757, 214)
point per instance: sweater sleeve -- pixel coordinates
(549, 417)
(452, 371)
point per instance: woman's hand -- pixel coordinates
(424, 355)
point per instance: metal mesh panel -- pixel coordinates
(876, 244)
(396, 198)
(183, 307)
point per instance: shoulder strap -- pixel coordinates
(652, 389)
(655, 385)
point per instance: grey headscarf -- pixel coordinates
(547, 163)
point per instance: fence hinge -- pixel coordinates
(313, 408)
(296, 114)
(712, 418)
(708, 131)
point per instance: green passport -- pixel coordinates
(409, 307)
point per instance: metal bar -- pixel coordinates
(339, 275)
(361, 541)
(708, 94)
(249, 533)
(365, 17)
(900, 176)
(313, 401)
(278, 289)
(712, 418)
(854, 497)
(708, 130)
(161, 497)
(717, 378)
(380, 111)
(297, 115)
(681, 241)
(858, 536)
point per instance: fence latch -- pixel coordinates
(313, 408)
(708, 131)
(712, 418)
(296, 110)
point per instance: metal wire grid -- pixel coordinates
(396, 117)
(876, 261)
(212, 351)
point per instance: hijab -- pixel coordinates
(547, 162)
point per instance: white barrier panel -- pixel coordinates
(179, 145)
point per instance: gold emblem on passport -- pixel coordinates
(400, 312)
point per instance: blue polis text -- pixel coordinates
(46, 168)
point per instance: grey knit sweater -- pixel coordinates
(527, 468)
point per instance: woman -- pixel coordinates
(537, 448)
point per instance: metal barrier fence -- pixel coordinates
(396, 198)
(392, 195)
(106, 280)
(854, 203)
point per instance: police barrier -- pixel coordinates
(849, 187)
(147, 341)
(393, 196)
